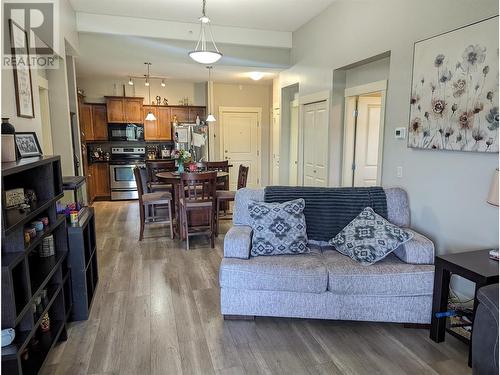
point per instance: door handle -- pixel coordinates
(225, 151)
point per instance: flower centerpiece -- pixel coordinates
(181, 156)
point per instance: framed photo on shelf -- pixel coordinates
(22, 70)
(27, 144)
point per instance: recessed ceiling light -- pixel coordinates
(256, 75)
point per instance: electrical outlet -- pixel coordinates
(399, 172)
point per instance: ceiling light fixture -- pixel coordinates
(130, 82)
(150, 116)
(146, 83)
(201, 54)
(256, 75)
(210, 117)
(163, 83)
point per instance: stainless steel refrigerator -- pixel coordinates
(192, 138)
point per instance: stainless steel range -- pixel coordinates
(121, 171)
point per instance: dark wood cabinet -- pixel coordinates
(99, 122)
(164, 127)
(98, 181)
(133, 110)
(124, 109)
(197, 111)
(150, 127)
(159, 129)
(115, 109)
(93, 122)
(86, 130)
(181, 113)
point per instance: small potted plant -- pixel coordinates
(181, 156)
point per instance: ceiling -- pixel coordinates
(119, 56)
(278, 15)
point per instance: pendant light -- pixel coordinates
(201, 54)
(150, 116)
(210, 117)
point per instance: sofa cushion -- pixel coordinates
(389, 277)
(292, 273)
(278, 228)
(369, 237)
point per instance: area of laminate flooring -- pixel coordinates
(156, 311)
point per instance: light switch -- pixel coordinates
(399, 172)
(400, 133)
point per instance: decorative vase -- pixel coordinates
(180, 166)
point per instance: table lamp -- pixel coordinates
(493, 194)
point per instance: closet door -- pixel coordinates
(315, 144)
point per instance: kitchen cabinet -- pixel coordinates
(161, 128)
(197, 111)
(133, 110)
(115, 109)
(86, 129)
(164, 129)
(150, 127)
(93, 122)
(182, 114)
(124, 109)
(98, 181)
(99, 122)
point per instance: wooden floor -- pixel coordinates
(156, 311)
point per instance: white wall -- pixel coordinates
(256, 95)
(447, 190)
(366, 73)
(58, 91)
(96, 88)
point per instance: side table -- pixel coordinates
(475, 266)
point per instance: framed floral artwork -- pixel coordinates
(454, 92)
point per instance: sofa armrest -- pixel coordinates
(238, 242)
(419, 250)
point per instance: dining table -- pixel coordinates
(174, 179)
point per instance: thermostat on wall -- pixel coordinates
(400, 133)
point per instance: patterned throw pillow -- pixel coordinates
(278, 228)
(369, 238)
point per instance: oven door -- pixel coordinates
(122, 177)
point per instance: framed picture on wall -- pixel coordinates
(454, 92)
(27, 144)
(22, 71)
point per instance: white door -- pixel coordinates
(294, 143)
(276, 133)
(367, 141)
(315, 144)
(241, 144)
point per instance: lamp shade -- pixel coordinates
(493, 194)
(150, 116)
(205, 57)
(210, 118)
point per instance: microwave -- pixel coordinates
(126, 132)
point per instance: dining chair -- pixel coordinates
(198, 196)
(156, 166)
(226, 196)
(150, 203)
(219, 166)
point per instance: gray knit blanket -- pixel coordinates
(329, 210)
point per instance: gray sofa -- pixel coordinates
(325, 284)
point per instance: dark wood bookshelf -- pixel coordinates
(26, 274)
(83, 263)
